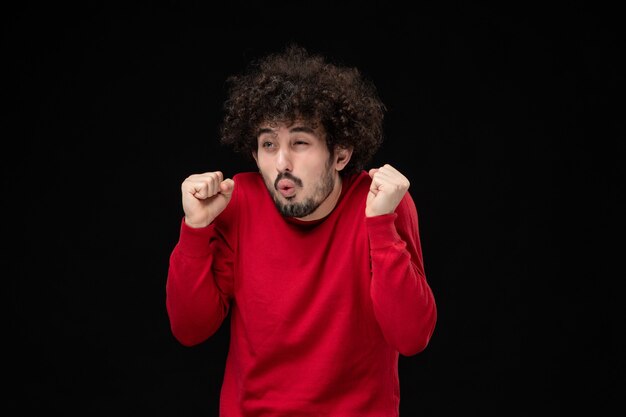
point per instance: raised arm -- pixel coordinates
(403, 301)
(199, 281)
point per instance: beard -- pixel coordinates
(294, 209)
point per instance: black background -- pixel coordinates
(508, 120)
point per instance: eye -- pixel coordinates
(267, 144)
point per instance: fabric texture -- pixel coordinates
(319, 310)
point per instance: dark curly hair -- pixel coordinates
(283, 87)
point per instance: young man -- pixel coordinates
(318, 261)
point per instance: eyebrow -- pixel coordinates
(294, 129)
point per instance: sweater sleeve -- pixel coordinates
(199, 284)
(403, 301)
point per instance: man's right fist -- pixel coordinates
(205, 196)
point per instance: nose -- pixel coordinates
(283, 160)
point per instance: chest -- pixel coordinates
(284, 266)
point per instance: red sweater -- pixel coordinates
(319, 310)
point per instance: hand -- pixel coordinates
(386, 191)
(205, 196)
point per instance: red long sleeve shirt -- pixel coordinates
(319, 310)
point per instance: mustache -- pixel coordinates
(287, 176)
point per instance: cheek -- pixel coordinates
(268, 174)
(263, 163)
(321, 169)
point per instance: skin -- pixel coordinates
(296, 160)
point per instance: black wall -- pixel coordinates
(504, 119)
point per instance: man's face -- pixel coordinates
(298, 169)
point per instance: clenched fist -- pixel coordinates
(205, 196)
(386, 191)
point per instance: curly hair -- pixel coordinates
(294, 84)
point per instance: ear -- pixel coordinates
(342, 157)
(256, 159)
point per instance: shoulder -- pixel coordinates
(247, 178)
(407, 203)
(248, 187)
(248, 196)
(407, 212)
(248, 183)
(358, 181)
(354, 190)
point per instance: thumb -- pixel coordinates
(372, 172)
(226, 187)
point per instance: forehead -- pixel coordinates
(299, 125)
